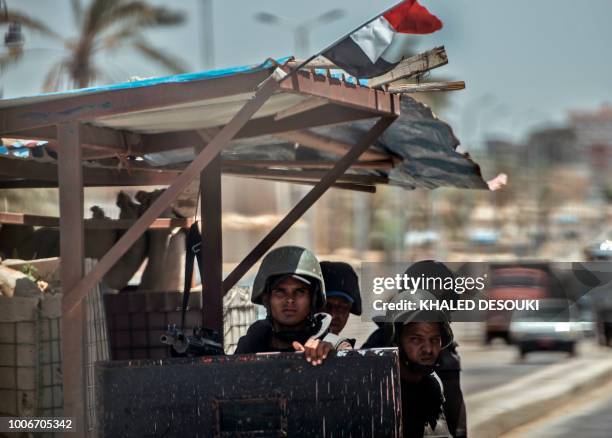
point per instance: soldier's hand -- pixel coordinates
(344, 345)
(315, 351)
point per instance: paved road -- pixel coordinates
(586, 417)
(487, 367)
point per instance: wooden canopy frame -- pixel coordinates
(65, 123)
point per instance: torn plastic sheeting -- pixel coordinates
(426, 145)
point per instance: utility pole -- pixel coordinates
(208, 35)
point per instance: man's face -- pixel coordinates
(339, 309)
(289, 302)
(422, 342)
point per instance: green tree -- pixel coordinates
(104, 26)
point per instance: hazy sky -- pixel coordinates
(525, 62)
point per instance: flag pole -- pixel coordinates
(307, 61)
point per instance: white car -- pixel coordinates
(554, 327)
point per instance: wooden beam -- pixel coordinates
(92, 137)
(302, 164)
(319, 62)
(26, 184)
(212, 248)
(342, 186)
(426, 87)
(86, 107)
(412, 66)
(305, 203)
(267, 88)
(337, 91)
(91, 224)
(93, 176)
(305, 175)
(409, 67)
(94, 153)
(300, 107)
(72, 253)
(325, 144)
(18, 169)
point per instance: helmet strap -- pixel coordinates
(288, 335)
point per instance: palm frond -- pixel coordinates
(9, 59)
(52, 78)
(96, 17)
(95, 74)
(30, 23)
(140, 14)
(172, 63)
(112, 41)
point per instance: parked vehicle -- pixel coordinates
(513, 283)
(554, 327)
(602, 296)
(586, 316)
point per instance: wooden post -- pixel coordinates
(212, 249)
(212, 149)
(70, 178)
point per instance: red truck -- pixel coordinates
(513, 283)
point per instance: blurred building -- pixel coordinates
(594, 137)
(555, 145)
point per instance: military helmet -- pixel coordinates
(432, 270)
(394, 319)
(288, 260)
(341, 280)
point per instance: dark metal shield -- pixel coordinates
(355, 394)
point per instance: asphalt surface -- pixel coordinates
(586, 417)
(487, 367)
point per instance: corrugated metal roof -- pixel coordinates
(425, 144)
(422, 147)
(140, 83)
(194, 115)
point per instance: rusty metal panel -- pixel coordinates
(136, 320)
(356, 394)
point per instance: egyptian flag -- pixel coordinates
(378, 46)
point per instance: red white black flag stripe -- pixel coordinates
(379, 46)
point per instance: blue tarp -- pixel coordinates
(149, 82)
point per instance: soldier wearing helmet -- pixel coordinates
(289, 284)
(420, 337)
(448, 366)
(341, 292)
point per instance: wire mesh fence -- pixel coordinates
(117, 326)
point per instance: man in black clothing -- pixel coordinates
(342, 294)
(420, 337)
(448, 367)
(422, 393)
(290, 285)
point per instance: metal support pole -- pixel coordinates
(70, 178)
(307, 201)
(212, 248)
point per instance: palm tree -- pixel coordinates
(104, 26)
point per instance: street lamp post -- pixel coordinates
(301, 31)
(208, 38)
(13, 38)
(13, 41)
(301, 40)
